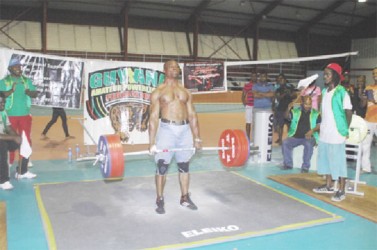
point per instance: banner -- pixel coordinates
(204, 77)
(116, 93)
(117, 99)
(58, 80)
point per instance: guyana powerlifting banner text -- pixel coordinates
(118, 98)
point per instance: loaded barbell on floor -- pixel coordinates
(233, 149)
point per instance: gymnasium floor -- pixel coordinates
(25, 229)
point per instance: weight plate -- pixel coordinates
(112, 165)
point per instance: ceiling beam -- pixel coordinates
(199, 9)
(306, 27)
(194, 18)
(368, 26)
(319, 10)
(19, 15)
(127, 7)
(264, 13)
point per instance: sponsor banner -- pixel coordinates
(202, 77)
(117, 99)
(58, 80)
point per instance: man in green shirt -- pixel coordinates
(18, 91)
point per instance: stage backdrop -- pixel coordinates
(57, 79)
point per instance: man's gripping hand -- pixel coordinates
(198, 145)
(153, 149)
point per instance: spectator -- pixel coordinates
(336, 112)
(303, 131)
(248, 102)
(264, 96)
(56, 113)
(346, 83)
(284, 96)
(357, 95)
(18, 91)
(9, 140)
(371, 118)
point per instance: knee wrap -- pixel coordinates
(183, 167)
(162, 167)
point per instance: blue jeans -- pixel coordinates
(290, 143)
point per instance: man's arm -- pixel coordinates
(10, 135)
(270, 93)
(194, 122)
(319, 101)
(243, 98)
(310, 133)
(154, 111)
(258, 94)
(349, 116)
(31, 90)
(370, 96)
(363, 98)
(3, 89)
(347, 105)
(31, 93)
(287, 113)
(278, 95)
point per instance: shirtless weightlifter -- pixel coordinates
(173, 123)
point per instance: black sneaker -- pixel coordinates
(324, 190)
(304, 170)
(339, 196)
(160, 205)
(285, 167)
(187, 202)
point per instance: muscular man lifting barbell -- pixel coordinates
(173, 123)
(233, 150)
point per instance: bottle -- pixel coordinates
(69, 154)
(77, 151)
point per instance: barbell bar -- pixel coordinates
(100, 157)
(233, 150)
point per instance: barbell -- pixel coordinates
(233, 150)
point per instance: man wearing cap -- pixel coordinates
(303, 130)
(18, 91)
(336, 115)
